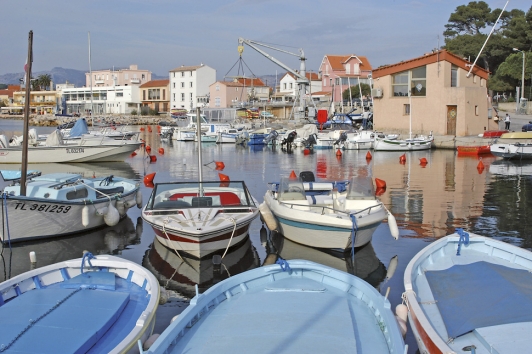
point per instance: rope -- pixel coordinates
(4, 206)
(354, 231)
(284, 264)
(5, 347)
(106, 181)
(234, 229)
(165, 221)
(97, 191)
(464, 238)
(88, 256)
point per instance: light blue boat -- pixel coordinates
(296, 306)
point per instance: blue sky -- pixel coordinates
(160, 35)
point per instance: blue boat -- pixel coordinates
(102, 304)
(295, 306)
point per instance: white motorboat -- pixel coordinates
(393, 143)
(517, 151)
(101, 304)
(56, 149)
(60, 204)
(228, 135)
(469, 293)
(334, 219)
(356, 140)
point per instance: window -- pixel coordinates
(476, 110)
(413, 81)
(348, 68)
(291, 86)
(164, 94)
(174, 84)
(191, 96)
(217, 102)
(182, 74)
(406, 109)
(144, 95)
(182, 97)
(191, 73)
(330, 82)
(217, 87)
(190, 84)
(126, 76)
(400, 84)
(143, 77)
(324, 82)
(337, 81)
(119, 94)
(173, 97)
(182, 85)
(454, 76)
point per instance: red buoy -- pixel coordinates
(480, 166)
(161, 151)
(380, 183)
(149, 178)
(338, 152)
(141, 129)
(223, 178)
(423, 161)
(368, 156)
(153, 158)
(402, 158)
(149, 128)
(293, 175)
(306, 152)
(219, 165)
(133, 154)
(148, 148)
(380, 191)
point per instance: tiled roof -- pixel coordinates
(337, 61)
(229, 83)
(251, 81)
(321, 93)
(156, 83)
(186, 68)
(311, 76)
(441, 55)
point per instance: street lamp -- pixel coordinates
(522, 75)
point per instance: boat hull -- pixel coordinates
(512, 151)
(383, 144)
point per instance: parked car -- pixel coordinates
(266, 114)
(527, 127)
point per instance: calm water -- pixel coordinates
(428, 202)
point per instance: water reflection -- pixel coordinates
(107, 240)
(180, 272)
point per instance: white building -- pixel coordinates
(288, 84)
(189, 86)
(120, 77)
(105, 100)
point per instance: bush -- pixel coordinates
(134, 112)
(511, 99)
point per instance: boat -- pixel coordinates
(228, 135)
(188, 132)
(200, 217)
(393, 143)
(473, 150)
(327, 140)
(94, 304)
(511, 167)
(182, 273)
(57, 149)
(517, 151)
(296, 306)
(466, 292)
(334, 218)
(60, 204)
(80, 129)
(516, 135)
(356, 140)
(490, 134)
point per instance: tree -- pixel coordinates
(355, 92)
(44, 81)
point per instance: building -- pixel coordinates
(189, 86)
(238, 93)
(436, 92)
(41, 102)
(119, 77)
(105, 100)
(288, 83)
(340, 72)
(155, 95)
(6, 99)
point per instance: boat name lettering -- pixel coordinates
(44, 208)
(75, 150)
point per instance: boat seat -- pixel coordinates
(320, 199)
(172, 204)
(102, 192)
(74, 326)
(226, 198)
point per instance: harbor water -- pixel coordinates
(489, 197)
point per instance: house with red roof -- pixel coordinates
(436, 92)
(339, 72)
(155, 94)
(225, 94)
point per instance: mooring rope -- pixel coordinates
(354, 231)
(88, 256)
(285, 266)
(464, 238)
(230, 239)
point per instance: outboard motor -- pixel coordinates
(341, 139)
(289, 139)
(272, 136)
(310, 141)
(168, 134)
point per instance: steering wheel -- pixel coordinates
(295, 189)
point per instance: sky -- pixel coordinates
(161, 35)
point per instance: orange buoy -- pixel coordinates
(380, 191)
(368, 156)
(153, 158)
(306, 152)
(219, 165)
(149, 178)
(149, 128)
(293, 175)
(159, 129)
(133, 154)
(480, 164)
(161, 151)
(148, 148)
(223, 178)
(423, 161)
(380, 183)
(141, 129)
(402, 158)
(338, 152)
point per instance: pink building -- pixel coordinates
(339, 72)
(119, 77)
(225, 94)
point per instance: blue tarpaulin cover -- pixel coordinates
(481, 294)
(79, 128)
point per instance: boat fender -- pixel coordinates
(85, 218)
(268, 216)
(130, 203)
(120, 206)
(112, 217)
(163, 297)
(392, 266)
(402, 325)
(392, 224)
(149, 342)
(139, 199)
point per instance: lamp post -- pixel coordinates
(522, 75)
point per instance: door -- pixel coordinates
(451, 120)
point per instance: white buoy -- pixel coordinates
(401, 311)
(392, 266)
(268, 216)
(139, 199)
(85, 218)
(392, 224)
(121, 207)
(112, 217)
(149, 342)
(163, 297)
(33, 257)
(402, 325)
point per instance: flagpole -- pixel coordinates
(90, 75)
(24, 169)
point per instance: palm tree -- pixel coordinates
(44, 81)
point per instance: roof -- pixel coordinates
(229, 83)
(441, 55)
(156, 83)
(321, 93)
(251, 81)
(187, 68)
(311, 76)
(337, 61)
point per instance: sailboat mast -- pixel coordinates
(410, 110)
(24, 168)
(90, 76)
(198, 133)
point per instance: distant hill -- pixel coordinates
(59, 76)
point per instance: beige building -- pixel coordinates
(225, 94)
(435, 91)
(156, 95)
(119, 77)
(41, 102)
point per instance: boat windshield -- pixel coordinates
(183, 195)
(361, 188)
(291, 189)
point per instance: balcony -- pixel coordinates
(135, 81)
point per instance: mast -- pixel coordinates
(410, 110)
(24, 169)
(198, 133)
(90, 75)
